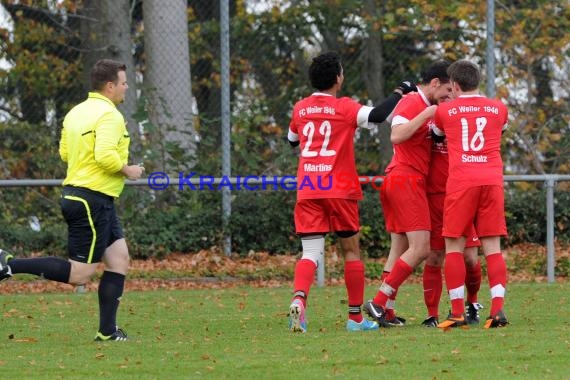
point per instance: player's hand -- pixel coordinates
(133, 172)
(407, 87)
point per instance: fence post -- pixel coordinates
(550, 262)
(491, 91)
(321, 270)
(226, 127)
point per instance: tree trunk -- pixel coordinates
(168, 83)
(106, 33)
(373, 72)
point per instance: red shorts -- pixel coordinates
(437, 241)
(483, 206)
(326, 215)
(404, 201)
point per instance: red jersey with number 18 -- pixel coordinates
(473, 125)
(325, 126)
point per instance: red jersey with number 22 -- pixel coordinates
(325, 126)
(473, 125)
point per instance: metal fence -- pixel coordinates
(212, 82)
(549, 181)
(199, 69)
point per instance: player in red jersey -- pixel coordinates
(432, 277)
(403, 194)
(324, 127)
(473, 125)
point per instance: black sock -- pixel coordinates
(110, 291)
(51, 268)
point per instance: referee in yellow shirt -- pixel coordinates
(95, 145)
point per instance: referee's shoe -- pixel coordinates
(5, 270)
(119, 335)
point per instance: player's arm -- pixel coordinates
(293, 132)
(293, 138)
(63, 152)
(403, 131)
(105, 152)
(435, 137)
(292, 135)
(382, 111)
(437, 134)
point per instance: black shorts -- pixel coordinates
(92, 223)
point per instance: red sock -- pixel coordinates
(473, 281)
(397, 276)
(304, 277)
(354, 281)
(433, 285)
(497, 274)
(454, 269)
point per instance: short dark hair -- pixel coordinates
(466, 74)
(437, 70)
(324, 70)
(105, 70)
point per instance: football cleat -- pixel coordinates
(377, 313)
(397, 322)
(452, 322)
(5, 270)
(472, 312)
(365, 325)
(497, 320)
(118, 335)
(430, 322)
(297, 322)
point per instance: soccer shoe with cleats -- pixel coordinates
(377, 313)
(472, 312)
(118, 335)
(430, 322)
(5, 270)
(452, 322)
(297, 322)
(497, 320)
(396, 322)
(365, 325)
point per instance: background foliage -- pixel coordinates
(42, 66)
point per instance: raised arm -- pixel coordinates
(402, 132)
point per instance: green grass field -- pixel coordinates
(242, 333)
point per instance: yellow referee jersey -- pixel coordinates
(95, 144)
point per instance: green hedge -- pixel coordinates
(526, 214)
(157, 223)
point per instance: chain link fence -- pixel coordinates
(174, 107)
(174, 57)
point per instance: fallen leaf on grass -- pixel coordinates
(26, 340)
(194, 271)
